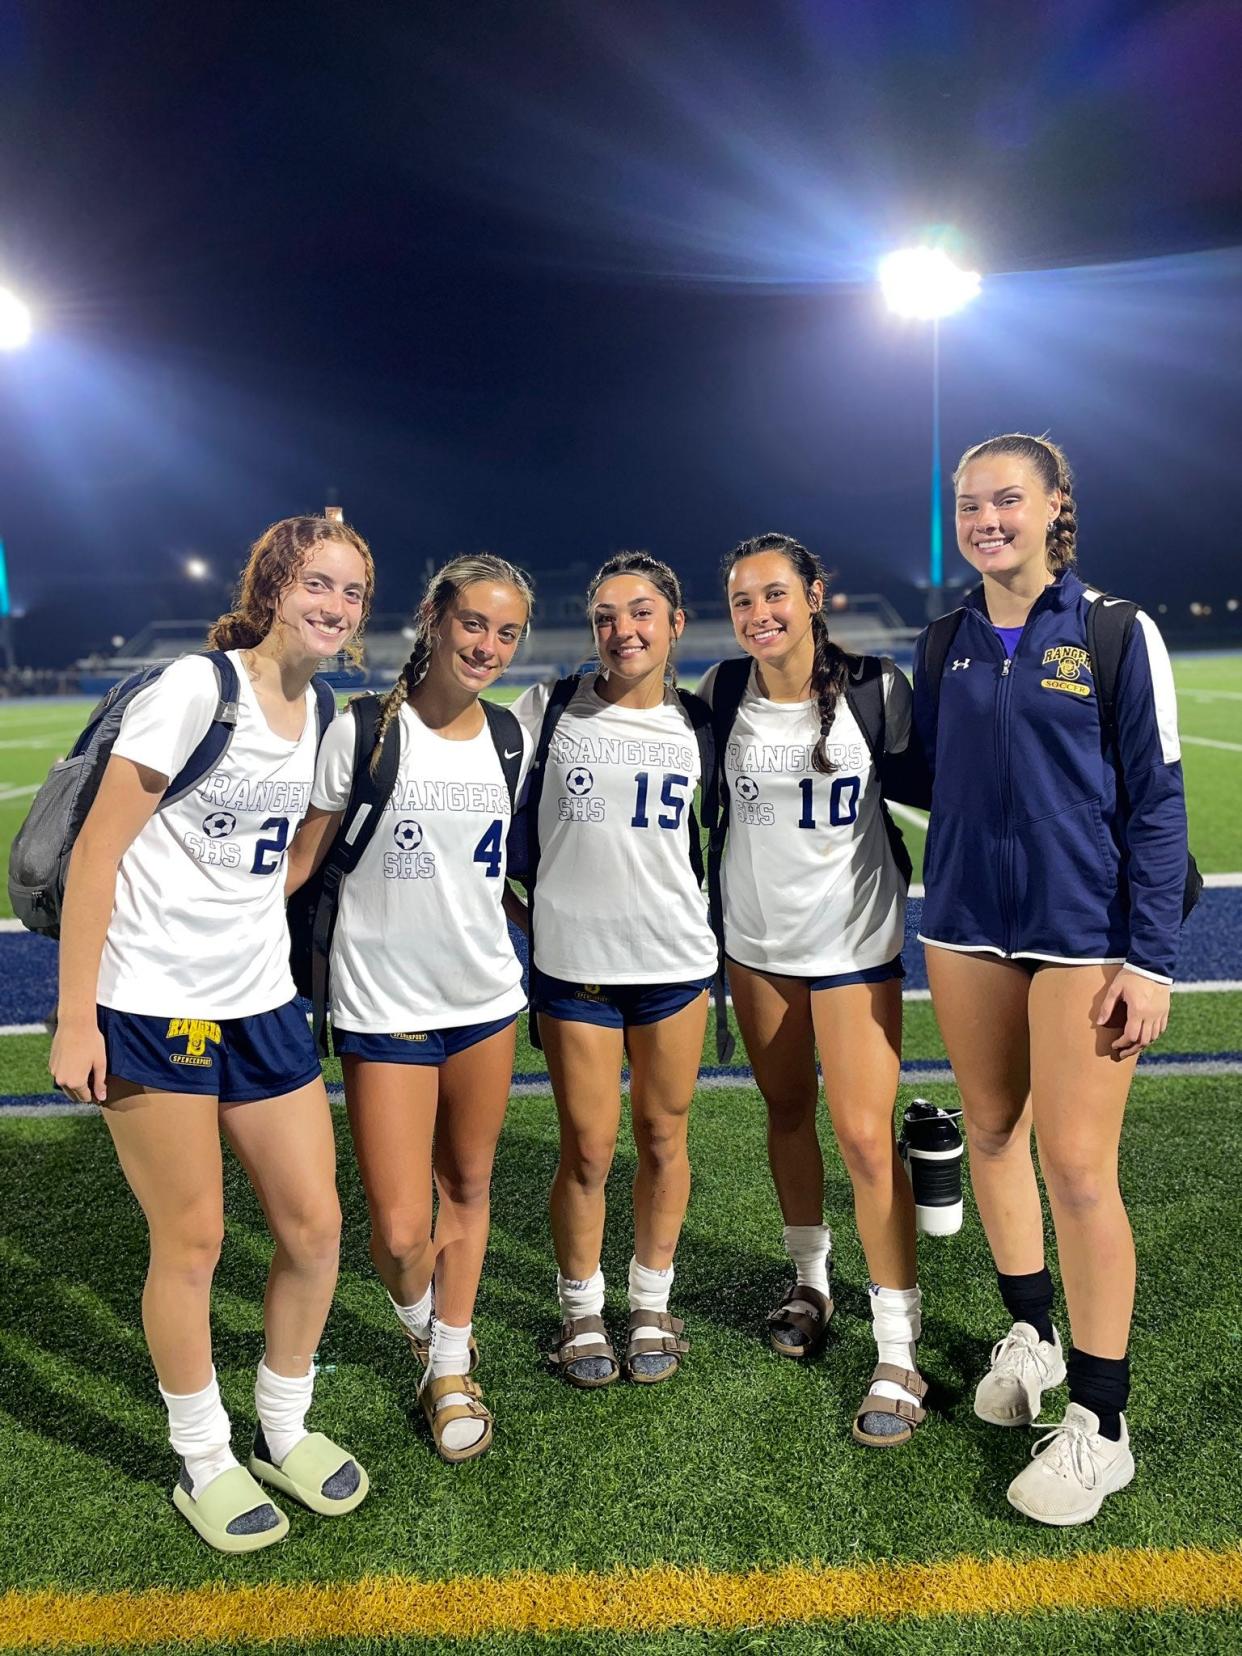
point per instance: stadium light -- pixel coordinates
(16, 322)
(198, 569)
(923, 284)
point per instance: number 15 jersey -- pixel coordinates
(810, 885)
(616, 900)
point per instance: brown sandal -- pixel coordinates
(671, 1341)
(438, 1418)
(567, 1352)
(809, 1311)
(422, 1349)
(912, 1413)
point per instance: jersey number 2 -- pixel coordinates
(272, 849)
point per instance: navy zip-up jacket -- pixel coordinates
(1034, 847)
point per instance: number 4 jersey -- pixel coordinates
(616, 899)
(198, 925)
(810, 885)
(421, 940)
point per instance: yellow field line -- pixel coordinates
(624, 1601)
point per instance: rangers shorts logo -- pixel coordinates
(410, 1036)
(1071, 661)
(195, 1032)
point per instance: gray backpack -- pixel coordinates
(39, 858)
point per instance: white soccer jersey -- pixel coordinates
(810, 885)
(198, 927)
(616, 900)
(421, 941)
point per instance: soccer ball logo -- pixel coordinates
(579, 780)
(408, 835)
(219, 824)
(747, 788)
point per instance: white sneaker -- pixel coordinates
(1023, 1368)
(1072, 1469)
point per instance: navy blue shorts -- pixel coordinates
(236, 1060)
(894, 968)
(429, 1046)
(612, 1006)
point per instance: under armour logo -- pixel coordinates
(964, 661)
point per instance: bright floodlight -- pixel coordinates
(198, 569)
(924, 283)
(15, 321)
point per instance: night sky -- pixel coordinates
(555, 278)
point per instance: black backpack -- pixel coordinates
(313, 908)
(1109, 624)
(524, 844)
(39, 858)
(902, 777)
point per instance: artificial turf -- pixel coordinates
(743, 1460)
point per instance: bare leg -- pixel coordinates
(392, 1114)
(584, 1062)
(774, 1016)
(474, 1094)
(1079, 1094)
(168, 1145)
(981, 1007)
(287, 1149)
(858, 1032)
(664, 1066)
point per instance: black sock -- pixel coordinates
(1028, 1299)
(1101, 1384)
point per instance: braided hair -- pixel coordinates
(271, 568)
(445, 585)
(829, 664)
(650, 569)
(1048, 461)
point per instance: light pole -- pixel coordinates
(923, 284)
(15, 329)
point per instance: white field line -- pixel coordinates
(32, 742)
(1212, 742)
(19, 793)
(1209, 986)
(908, 814)
(1212, 695)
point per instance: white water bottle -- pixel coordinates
(930, 1147)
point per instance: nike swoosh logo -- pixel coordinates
(512, 755)
(857, 672)
(1109, 602)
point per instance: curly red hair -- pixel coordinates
(273, 564)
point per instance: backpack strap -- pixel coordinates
(1109, 624)
(864, 695)
(325, 706)
(728, 688)
(368, 795)
(506, 734)
(559, 698)
(699, 715)
(940, 636)
(219, 733)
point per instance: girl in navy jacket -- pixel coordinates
(1054, 873)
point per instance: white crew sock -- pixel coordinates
(450, 1354)
(281, 1401)
(199, 1431)
(649, 1291)
(897, 1319)
(810, 1249)
(582, 1298)
(416, 1317)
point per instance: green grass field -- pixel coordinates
(744, 1463)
